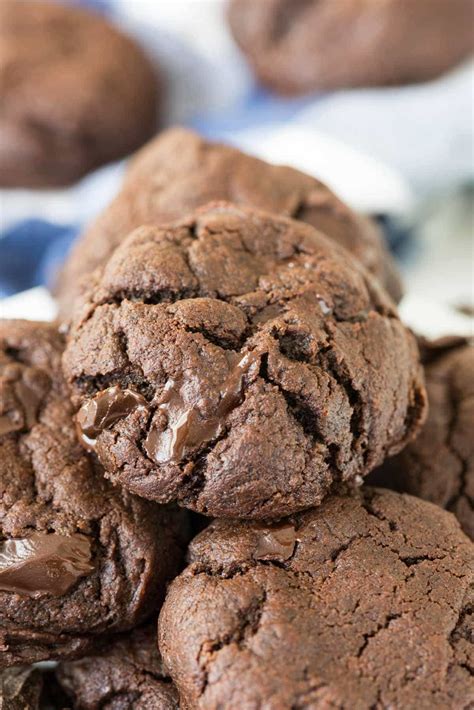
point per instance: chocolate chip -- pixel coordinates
(277, 542)
(103, 410)
(45, 563)
(187, 430)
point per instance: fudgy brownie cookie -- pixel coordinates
(179, 171)
(129, 675)
(364, 602)
(439, 464)
(76, 93)
(241, 364)
(78, 558)
(20, 688)
(298, 46)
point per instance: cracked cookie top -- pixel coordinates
(78, 558)
(240, 364)
(364, 602)
(439, 465)
(66, 106)
(128, 674)
(179, 172)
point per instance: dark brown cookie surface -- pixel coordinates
(241, 364)
(298, 46)
(128, 675)
(365, 602)
(439, 465)
(78, 558)
(180, 171)
(20, 688)
(75, 92)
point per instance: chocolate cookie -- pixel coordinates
(76, 93)
(179, 171)
(129, 675)
(240, 364)
(298, 46)
(78, 558)
(439, 465)
(20, 688)
(364, 602)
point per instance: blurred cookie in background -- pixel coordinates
(76, 93)
(299, 46)
(439, 465)
(180, 171)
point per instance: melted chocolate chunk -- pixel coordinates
(187, 430)
(45, 563)
(103, 410)
(26, 387)
(277, 541)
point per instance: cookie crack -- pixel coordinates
(461, 630)
(303, 415)
(357, 428)
(453, 422)
(199, 466)
(372, 634)
(162, 297)
(367, 500)
(234, 569)
(416, 560)
(136, 378)
(335, 554)
(247, 625)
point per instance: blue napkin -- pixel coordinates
(31, 252)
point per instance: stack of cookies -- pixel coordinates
(184, 518)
